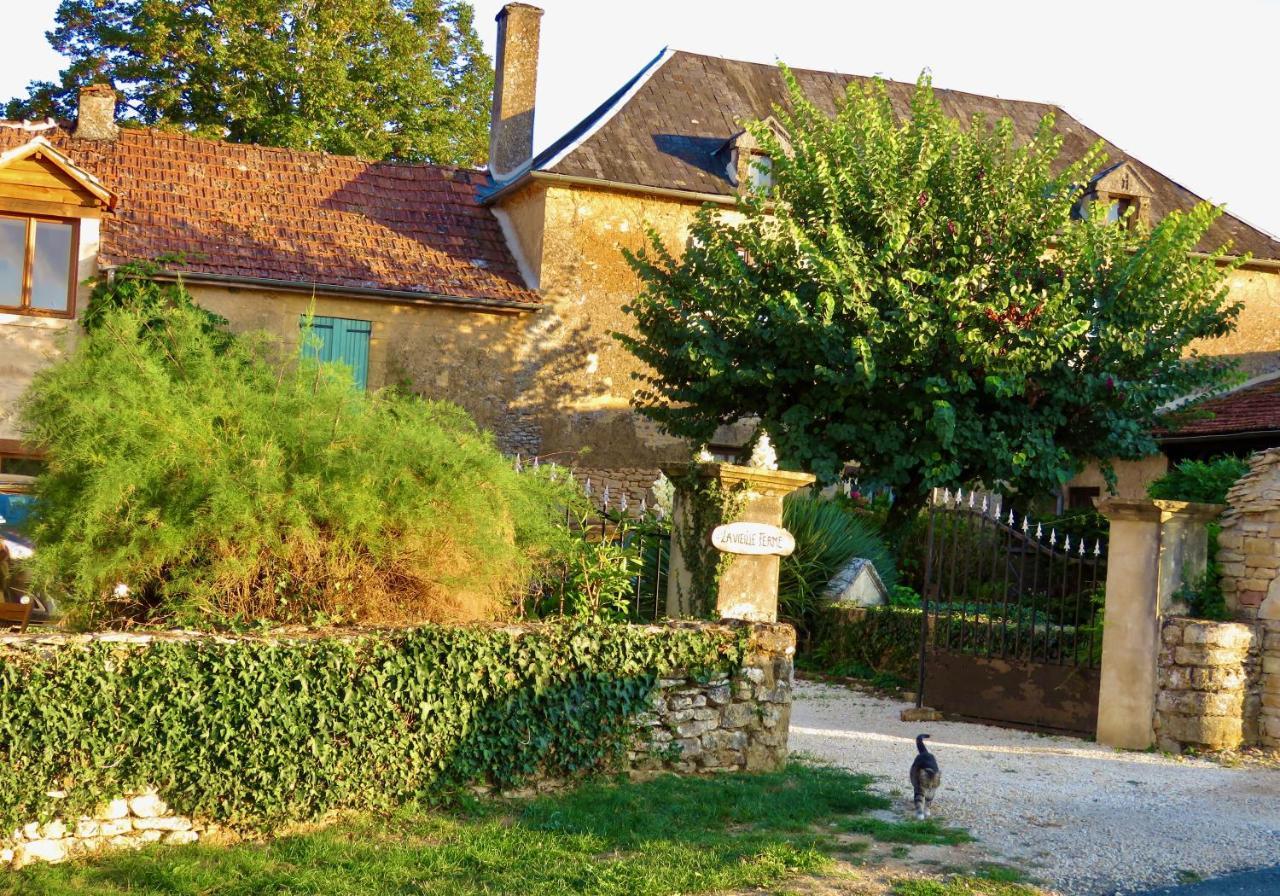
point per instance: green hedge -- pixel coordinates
(251, 733)
(878, 643)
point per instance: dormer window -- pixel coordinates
(761, 173)
(1123, 192)
(746, 164)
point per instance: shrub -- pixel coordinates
(881, 644)
(1205, 481)
(253, 732)
(221, 486)
(827, 537)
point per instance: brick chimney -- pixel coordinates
(514, 89)
(96, 114)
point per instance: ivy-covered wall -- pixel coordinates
(251, 733)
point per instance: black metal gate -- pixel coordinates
(1012, 626)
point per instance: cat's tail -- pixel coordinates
(920, 742)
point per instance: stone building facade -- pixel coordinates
(497, 289)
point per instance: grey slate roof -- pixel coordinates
(686, 105)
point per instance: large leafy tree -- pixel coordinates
(405, 79)
(929, 298)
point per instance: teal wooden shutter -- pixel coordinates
(341, 340)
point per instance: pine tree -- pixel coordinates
(403, 79)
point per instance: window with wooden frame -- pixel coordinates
(38, 265)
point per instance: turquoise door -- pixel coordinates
(342, 340)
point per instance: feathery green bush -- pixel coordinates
(218, 485)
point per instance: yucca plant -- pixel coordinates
(827, 537)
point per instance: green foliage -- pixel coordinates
(730, 833)
(404, 79)
(594, 577)
(1204, 481)
(924, 296)
(1204, 597)
(133, 287)
(827, 536)
(881, 644)
(252, 733)
(223, 487)
(905, 597)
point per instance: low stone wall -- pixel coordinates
(726, 723)
(1203, 683)
(695, 725)
(125, 823)
(1269, 686)
(1249, 545)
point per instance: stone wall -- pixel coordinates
(126, 823)
(1203, 683)
(1269, 686)
(1250, 541)
(694, 726)
(738, 723)
(634, 482)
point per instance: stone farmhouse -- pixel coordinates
(496, 289)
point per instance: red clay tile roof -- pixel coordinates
(684, 106)
(1254, 408)
(252, 211)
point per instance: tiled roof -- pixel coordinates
(1254, 408)
(663, 129)
(303, 217)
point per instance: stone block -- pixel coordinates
(180, 838)
(689, 747)
(719, 695)
(763, 759)
(1208, 732)
(1250, 598)
(150, 836)
(162, 823)
(31, 830)
(1252, 584)
(147, 805)
(113, 809)
(1271, 665)
(1172, 633)
(1201, 655)
(39, 851)
(736, 715)
(115, 827)
(6, 857)
(1259, 547)
(1229, 635)
(53, 830)
(88, 827)
(694, 727)
(1234, 570)
(1194, 703)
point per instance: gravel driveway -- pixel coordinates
(1079, 817)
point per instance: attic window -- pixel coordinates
(37, 266)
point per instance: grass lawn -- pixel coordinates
(667, 836)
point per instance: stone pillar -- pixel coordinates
(1152, 545)
(700, 578)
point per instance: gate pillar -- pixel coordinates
(1154, 546)
(738, 578)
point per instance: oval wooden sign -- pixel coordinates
(752, 538)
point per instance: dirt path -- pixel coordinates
(1081, 818)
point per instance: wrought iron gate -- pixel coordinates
(1011, 628)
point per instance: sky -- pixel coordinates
(1191, 88)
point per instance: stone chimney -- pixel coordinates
(96, 115)
(514, 89)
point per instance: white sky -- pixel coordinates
(1193, 89)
